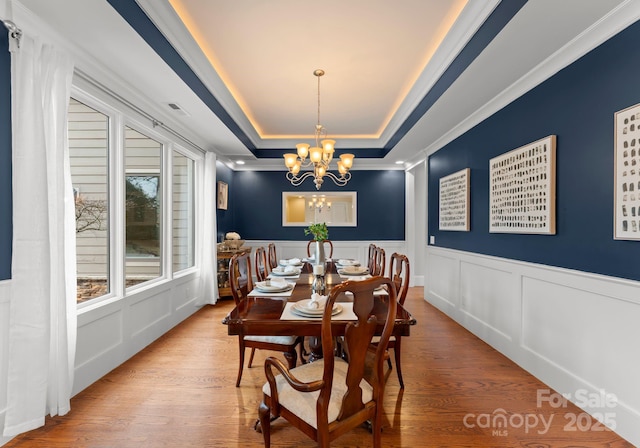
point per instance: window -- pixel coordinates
(183, 212)
(143, 204)
(123, 197)
(89, 158)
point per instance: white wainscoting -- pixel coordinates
(112, 332)
(577, 332)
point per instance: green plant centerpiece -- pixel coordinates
(319, 231)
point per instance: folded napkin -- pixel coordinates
(354, 269)
(288, 269)
(348, 262)
(291, 261)
(279, 282)
(317, 301)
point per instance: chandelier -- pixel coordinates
(319, 204)
(320, 157)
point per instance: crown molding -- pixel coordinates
(608, 26)
(167, 21)
(464, 28)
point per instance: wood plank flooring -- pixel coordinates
(179, 392)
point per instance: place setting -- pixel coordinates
(272, 288)
(288, 271)
(354, 270)
(296, 262)
(314, 307)
(344, 262)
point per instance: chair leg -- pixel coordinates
(396, 352)
(303, 351)
(264, 414)
(241, 339)
(292, 357)
(376, 429)
(253, 352)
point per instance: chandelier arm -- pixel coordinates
(340, 181)
(297, 180)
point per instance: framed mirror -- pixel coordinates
(337, 209)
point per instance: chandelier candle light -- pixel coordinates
(320, 157)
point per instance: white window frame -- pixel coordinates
(120, 116)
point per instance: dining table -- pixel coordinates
(270, 314)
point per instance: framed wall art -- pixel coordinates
(522, 185)
(627, 174)
(454, 201)
(223, 195)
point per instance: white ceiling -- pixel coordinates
(381, 58)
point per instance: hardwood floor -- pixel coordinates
(179, 392)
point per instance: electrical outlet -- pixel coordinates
(432, 239)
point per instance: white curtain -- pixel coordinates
(42, 319)
(208, 277)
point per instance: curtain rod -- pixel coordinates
(14, 31)
(155, 122)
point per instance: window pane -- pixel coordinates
(183, 216)
(143, 202)
(88, 153)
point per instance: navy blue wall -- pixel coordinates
(577, 105)
(224, 218)
(5, 158)
(255, 201)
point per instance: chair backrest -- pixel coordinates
(363, 363)
(371, 258)
(240, 276)
(399, 273)
(262, 268)
(379, 262)
(328, 248)
(273, 258)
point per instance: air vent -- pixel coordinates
(175, 107)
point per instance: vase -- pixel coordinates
(319, 253)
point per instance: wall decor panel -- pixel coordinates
(627, 174)
(522, 189)
(454, 201)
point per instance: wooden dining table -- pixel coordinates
(261, 315)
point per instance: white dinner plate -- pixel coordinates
(304, 304)
(263, 287)
(288, 263)
(362, 271)
(281, 272)
(302, 310)
(347, 262)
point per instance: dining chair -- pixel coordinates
(379, 262)
(399, 273)
(262, 268)
(328, 248)
(241, 285)
(328, 397)
(272, 257)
